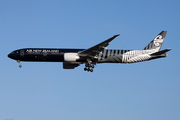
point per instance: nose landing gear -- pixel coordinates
(19, 63)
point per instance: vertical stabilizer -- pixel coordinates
(156, 43)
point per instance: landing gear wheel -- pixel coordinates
(19, 63)
(89, 67)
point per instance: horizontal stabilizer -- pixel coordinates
(160, 52)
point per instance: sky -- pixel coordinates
(141, 91)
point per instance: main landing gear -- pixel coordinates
(19, 63)
(89, 67)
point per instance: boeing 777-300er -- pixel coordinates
(72, 58)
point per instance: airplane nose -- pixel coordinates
(11, 55)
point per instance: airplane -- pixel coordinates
(72, 58)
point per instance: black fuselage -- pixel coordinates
(41, 54)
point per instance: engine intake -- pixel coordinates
(71, 57)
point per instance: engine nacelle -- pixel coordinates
(71, 57)
(69, 65)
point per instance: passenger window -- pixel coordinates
(114, 52)
(122, 51)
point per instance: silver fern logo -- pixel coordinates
(158, 40)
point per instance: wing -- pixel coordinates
(93, 51)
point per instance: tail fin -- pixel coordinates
(156, 43)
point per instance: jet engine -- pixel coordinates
(71, 57)
(69, 65)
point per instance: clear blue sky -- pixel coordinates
(45, 91)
